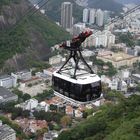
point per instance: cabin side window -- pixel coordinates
(96, 89)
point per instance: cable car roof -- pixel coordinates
(82, 77)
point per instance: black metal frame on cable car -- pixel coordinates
(75, 52)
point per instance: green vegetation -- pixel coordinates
(110, 71)
(21, 97)
(38, 65)
(45, 95)
(127, 38)
(119, 121)
(18, 39)
(66, 121)
(15, 112)
(52, 33)
(13, 42)
(48, 116)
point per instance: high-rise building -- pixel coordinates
(85, 15)
(105, 38)
(99, 17)
(92, 16)
(78, 28)
(106, 17)
(66, 15)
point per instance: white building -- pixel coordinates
(101, 40)
(113, 84)
(22, 75)
(29, 104)
(118, 84)
(87, 53)
(110, 39)
(92, 15)
(51, 135)
(99, 17)
(7, 133)
(8, 81)
(105, 38)
(85, 15)
(78, 28)
(44, 106)
(125, 74)
(49, 71)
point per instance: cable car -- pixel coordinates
(74, 83)
(85, 88)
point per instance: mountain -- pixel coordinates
(53, 9)
(110, 5)
(119, 121)
(128, 1)
(28, 41)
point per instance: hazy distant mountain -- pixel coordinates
(128, 1)
(110, 5)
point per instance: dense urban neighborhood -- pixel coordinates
(29, 105)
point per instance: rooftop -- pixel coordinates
(30, 80)
(5, 131)
(32, 124)
(4, 76)
(82, 76)
(5, 93)
(117, 56)
(69, 110)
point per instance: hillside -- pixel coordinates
(53, 9)
(30, 40)
(112, 122)
(110, 5)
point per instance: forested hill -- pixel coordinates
(110, 5)
(112, 122)
(30, 40)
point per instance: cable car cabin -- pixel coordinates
(87, 87)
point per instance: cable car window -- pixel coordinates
(95, 84)
(72, 91)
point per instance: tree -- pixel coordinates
(65, 121)
(137, 129)
(40, 132)
(85, 114)
(26, 97)
(53, 107)
(16, 113)
(25, 113)
(18, 92)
